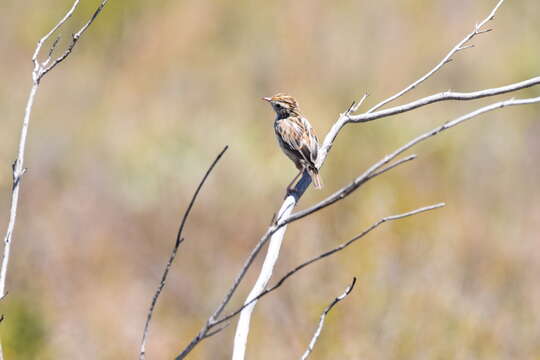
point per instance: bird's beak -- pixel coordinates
(266, 99)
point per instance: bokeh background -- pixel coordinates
(122, 132)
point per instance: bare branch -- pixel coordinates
(368, 174)
(354, 107)
(276, 231)
(179, 240)
(397, 163)
(214, 332)
(484, 31)
(211, 322)
(465, 47)
(40, 69)
(74, 38)
(477, 30)
(53, 30)
(323, 317)
(51, 51)
(326, 254)
(445, 96)
(261, 283)
(342, 193)
(18, 165)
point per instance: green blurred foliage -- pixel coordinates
(24, 331)
(122, 132)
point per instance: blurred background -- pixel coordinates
(123, 131)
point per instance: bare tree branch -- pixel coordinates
(460, 46)
(376, 169)
(344, 192)
(326, 254)
(49, 34)
(323, 317)
(368, 174)
(345, 117)
(74, 38)
(393, 165)
(214, 332)
(179, 240)
(276, 231)
(445, 96)
(213, 322)
(40, 69)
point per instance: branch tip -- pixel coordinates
(350, 109)
(351, 287)
(323, 317)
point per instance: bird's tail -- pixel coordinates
(316, 178)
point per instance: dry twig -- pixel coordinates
(172, 256)
(445, 60)
(323, 317)
(328, 253)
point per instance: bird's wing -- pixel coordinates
(298, 135)
(311, 141)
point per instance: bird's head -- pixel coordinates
(283, 105)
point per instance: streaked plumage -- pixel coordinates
(295, 135)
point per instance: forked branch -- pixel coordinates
(445, 60)
(276, 231)
(40, 69)
(376, 169)
(327, 254)
(444, 96)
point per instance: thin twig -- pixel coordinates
(346, 118)
(53, 30)
(477, 31)
(323, 317)
(178, 241)
(445, 96)
(214, 332)
(74, 38)
(393, 165)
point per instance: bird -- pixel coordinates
(295, 137)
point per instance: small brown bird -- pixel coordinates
(295, 136)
